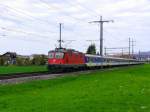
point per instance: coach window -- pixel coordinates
(90, 59)
(87, 59)
(97, 59)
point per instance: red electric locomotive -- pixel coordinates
(65, 58)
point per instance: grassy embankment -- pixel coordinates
(21, 69)
(118, 90)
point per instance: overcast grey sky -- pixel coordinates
(31, 26)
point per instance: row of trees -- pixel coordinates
(19, 61)
(37, 60)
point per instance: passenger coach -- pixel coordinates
(95, 61)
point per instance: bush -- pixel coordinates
(2, 61)
(19, 61)
(39, 60)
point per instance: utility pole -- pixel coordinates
(122, 52)
(139, 55)
(60, 40)
(129, 47)
(101, 22)
(60, 37)
(133, 47)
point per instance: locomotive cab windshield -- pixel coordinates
(59, 55)
(51, 55)
(56, 55)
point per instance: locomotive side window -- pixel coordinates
(51, 55)
(59, 55)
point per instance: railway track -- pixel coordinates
(30, 74)
(23, 77)
(18, 75)
(27, 74)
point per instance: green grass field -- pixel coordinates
(119, 90)
(21, 69)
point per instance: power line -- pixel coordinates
(3, 35)
(115, 48)
(25, 39)
(113, 36)
(20, 31)
(69, 42)
(83, 7)
(101, 22)
(25, 14)
(118, 48)
(22, 13)
(92, 41)
(42, 1)
(67, 15)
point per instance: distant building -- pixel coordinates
(9, 58)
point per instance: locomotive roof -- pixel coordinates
(65, 50)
